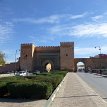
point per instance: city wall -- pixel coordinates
(9, 67)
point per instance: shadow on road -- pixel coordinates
(16, 100)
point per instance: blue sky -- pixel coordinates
(48, 22)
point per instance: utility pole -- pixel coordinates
(99, 48)
(15, 61)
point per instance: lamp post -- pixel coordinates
(16, 59)
(26, 63)
(99, 48)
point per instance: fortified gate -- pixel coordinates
(37, 57)
(61, 57)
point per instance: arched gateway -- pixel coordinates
(34, 58)
(91, 63)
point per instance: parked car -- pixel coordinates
(21, 73)
(17, 73)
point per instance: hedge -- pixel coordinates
(12, 79)
(38, 86)
(53, 79)
(30, 90)
(3, 89)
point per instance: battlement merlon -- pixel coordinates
(66, 43)
(27, 47)
(47, 46)
(27, 44)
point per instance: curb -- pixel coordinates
(52, 97)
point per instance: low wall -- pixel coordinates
(9, 67)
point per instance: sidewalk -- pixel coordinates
(21, 103)
(76, 93)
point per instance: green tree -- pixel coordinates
(2, 58)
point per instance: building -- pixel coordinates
(101, 56)
(34, 58)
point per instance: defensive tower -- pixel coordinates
(26, 56)
(67, 56)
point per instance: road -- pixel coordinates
(98, 83)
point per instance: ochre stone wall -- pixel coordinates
(61, 57)
(45, 55)
(67, 56)
(93, 63)
(27, 52)
(35, 58)
(9, 67)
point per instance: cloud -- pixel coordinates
(41, 39)
(89, 51)
(96, 18)
(80, 30)
(52, 19)
(84, 51)
(100, 18)
(78, 16)
(90, 30)
(6, 29)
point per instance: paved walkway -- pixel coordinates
(21, 103)
(76, 93)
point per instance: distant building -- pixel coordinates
(101, 56)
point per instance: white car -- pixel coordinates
(22, 73)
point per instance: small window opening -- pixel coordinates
(66, 54)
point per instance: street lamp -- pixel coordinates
(15, 61)
(16, 58)
(99, 48)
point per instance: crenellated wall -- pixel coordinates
(9, 67)
(34, 57)
(47, 49)
(93, 63)
(44, 55)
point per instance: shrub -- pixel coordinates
(30, 90)
(36, 86)
(53, 79)
(11, 79)
(3, 89)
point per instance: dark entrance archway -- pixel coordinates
(48, 65)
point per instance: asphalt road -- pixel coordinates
(98, 83)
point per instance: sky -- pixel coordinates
(49, 22)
